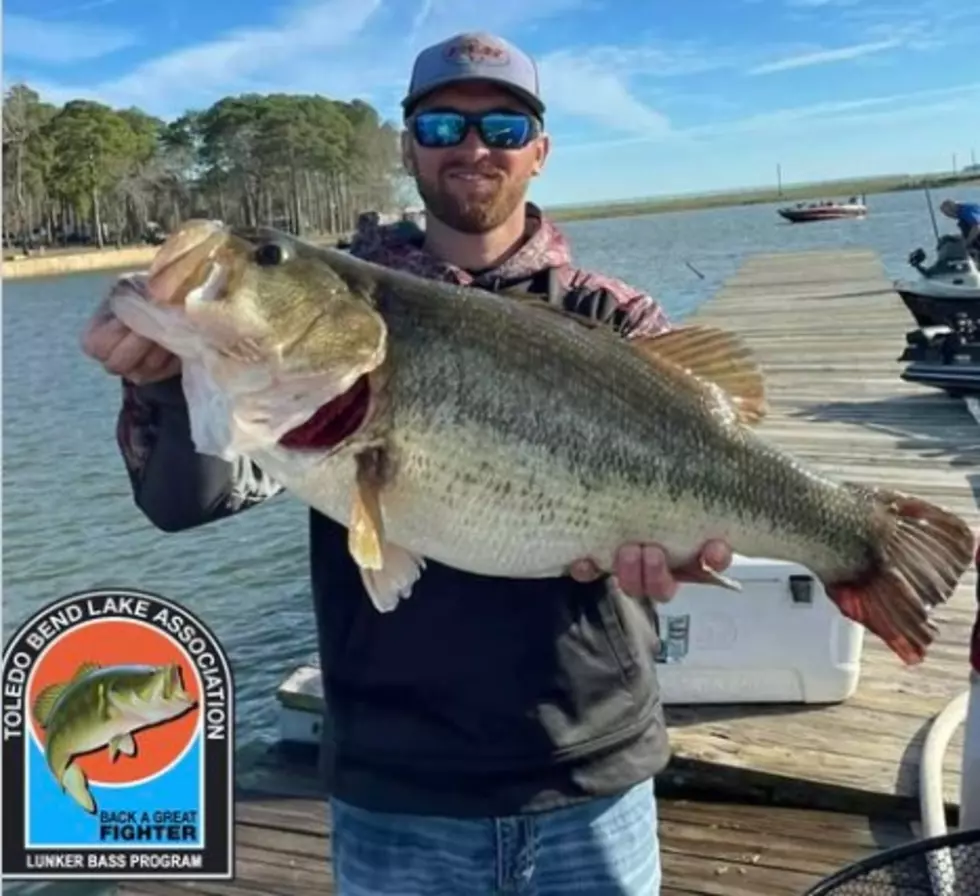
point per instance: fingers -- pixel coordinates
(717, 554)
(124, 353)
(642, 571)
(129, 355)
(161, 365)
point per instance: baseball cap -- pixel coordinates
(475, 56)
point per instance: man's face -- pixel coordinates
(471, 187)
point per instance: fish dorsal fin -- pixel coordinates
(45, 701)
(85, 669)
(716, 358)
(723, 366)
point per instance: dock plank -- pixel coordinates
(828, 329)
(709, 848)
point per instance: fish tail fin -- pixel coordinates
(923, 552)
(76, 786)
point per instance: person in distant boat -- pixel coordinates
(967, 217)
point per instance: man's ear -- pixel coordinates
(541, 150)
(406, 151)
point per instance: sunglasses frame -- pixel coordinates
(475, 120)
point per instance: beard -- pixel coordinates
(475, 211)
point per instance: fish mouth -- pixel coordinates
(203, 264)
(192, 265)
(333, 423)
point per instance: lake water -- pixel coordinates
(69, 522)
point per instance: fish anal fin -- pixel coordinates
(716, 357)
(45, 701)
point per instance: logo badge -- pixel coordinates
(118, 743)
(473, 51)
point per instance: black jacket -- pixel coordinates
(479, 696)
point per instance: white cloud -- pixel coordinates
(576, 85)
(51, 42)
(804, 120)
(202, 72)
(836, 111)
(341, 48)
(824, 57)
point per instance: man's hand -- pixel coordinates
(641, 570)
(122, 352)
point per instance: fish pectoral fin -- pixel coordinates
(387, 570)
(76, 786)
(121, 743)
(365, 532)
(715, 357)
(393, 581)
(45, 701)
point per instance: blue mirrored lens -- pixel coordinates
(503, 130)
(434, 129)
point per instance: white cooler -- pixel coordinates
(781, 640)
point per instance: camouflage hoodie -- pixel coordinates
(399, 246)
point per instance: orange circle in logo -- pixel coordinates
(121, 642)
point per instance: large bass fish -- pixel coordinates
(507, 437)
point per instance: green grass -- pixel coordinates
(791, 193)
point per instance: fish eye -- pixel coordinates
(270, 254)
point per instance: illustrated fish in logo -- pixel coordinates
(102, 707)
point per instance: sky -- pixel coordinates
(645, 97)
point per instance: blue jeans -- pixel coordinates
(606, 847)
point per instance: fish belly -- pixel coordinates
(496, 507)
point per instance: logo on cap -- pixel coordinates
(473, 51)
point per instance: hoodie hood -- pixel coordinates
(399, 246)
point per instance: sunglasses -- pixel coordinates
(444, 128)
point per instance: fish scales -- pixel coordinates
(484, 479)
(499, 435)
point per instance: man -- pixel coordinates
(489, 735)
(967, 217)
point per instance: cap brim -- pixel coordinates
(526, 97)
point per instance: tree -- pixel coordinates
(86, 172)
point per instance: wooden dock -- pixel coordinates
(828, 329)
(708, 848)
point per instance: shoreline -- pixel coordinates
(61, 263)
(789, 195)
(58, 264)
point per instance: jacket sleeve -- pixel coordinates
(174, 486)
(641, 314)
